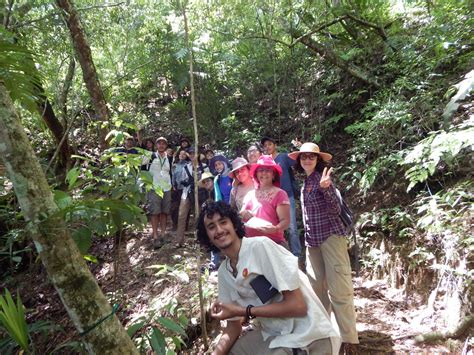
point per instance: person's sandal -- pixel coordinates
(157, 244)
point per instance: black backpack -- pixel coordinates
(346, 214)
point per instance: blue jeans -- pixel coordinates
(293, 237)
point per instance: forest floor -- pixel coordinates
(387, 320)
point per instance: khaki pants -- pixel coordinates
(184, 207)
(252, 343)
(329, 271)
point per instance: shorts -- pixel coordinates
(157, 205)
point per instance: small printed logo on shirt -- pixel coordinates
(245, 272)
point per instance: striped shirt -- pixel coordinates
(321, 211)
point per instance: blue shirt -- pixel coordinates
(222, 187)
(287, 179)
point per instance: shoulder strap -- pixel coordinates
(346, 214)
(187, 171)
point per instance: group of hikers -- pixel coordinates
(247, 205)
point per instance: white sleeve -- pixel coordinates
(277, 264)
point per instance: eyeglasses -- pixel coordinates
(310, 156)
(264, 170)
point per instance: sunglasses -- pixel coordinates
(237, 172)
(309, 156)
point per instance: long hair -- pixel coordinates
(224, 210)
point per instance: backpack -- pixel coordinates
(347, 216)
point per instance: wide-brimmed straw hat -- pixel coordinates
(238, 163)
(265, 161)
(206, 175)
(310, 148)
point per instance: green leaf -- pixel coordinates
(91, 258)
(157, 341)
(171, 325)
(62, 199)
(83, 239)
(72, 176)
(134, 328)
(12, 317)
(464, 88)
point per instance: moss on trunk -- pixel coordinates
(79, 291)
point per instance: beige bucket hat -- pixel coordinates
(310, 148)
(205, 176)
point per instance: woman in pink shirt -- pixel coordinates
(266, 210)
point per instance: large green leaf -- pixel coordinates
(62, 199)
(171, 325)
(158, 342)
(18, 71)
(83, 239)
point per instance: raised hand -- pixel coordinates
(325, 181)
(297, 143)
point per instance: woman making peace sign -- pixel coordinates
(328, 264)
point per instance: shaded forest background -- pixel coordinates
(385, 86)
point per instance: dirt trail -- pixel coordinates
(386, 321)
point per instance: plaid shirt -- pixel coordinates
(321, 211)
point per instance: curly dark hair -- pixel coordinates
(320, 165)
(224, 210)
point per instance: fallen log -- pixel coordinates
(461, 329)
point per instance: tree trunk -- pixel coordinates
(62, 99)
(333, 58)
(84, 56)
(47, 114)
(79, 292)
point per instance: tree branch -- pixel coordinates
(319, 28)
(378, 29)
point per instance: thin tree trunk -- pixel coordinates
(62, 99)
(196, 189)
(84, 301)
(84, 56)
(327, 53)
(47, 114)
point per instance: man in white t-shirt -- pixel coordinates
(158, 207)
(291, 319)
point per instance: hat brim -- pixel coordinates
(254, 167)
(324, 156)
(231, 173)
(200, 182)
